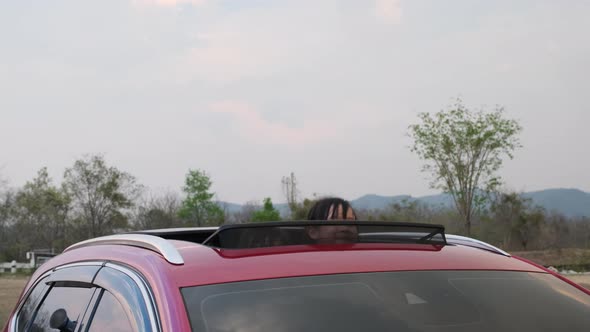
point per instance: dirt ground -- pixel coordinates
(10, 289)
(583, 280)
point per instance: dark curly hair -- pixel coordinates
(321, 209)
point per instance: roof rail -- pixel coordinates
(470, 242)
(150, 242)
(190, 234)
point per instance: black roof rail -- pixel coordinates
(264, 234)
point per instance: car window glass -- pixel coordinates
(28, 308)
(129, 295)
(110, 316)
(409, 301)
(74, 300)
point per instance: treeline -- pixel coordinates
(95, 199)
(508, 221)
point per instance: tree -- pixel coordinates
(245, 213)
(198, 207)
(3, 183)
(101, 195)
(301, 209)
(158, 212)
(291, 193)
(463, 151)
(516, 218)
(41, 212)
(529, 226)
(409, 210)
(267, 213)
(6, 225)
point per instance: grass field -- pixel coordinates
(10, 289)
(569, 258)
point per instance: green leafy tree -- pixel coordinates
(463, 150)
(301, 209)
(102, 195)
(41, 213)
(198, 207)
(267, 213)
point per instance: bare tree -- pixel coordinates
(158, 211)
(290, 191)
(102, 195)
(245, 214)
(507, 209)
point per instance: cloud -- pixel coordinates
(253, 126)
(388, 11)
(223, 60)
(171, 3)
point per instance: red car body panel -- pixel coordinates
(205, 265)
(585, 290)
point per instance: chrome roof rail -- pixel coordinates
(177, 230)
(470, 242)
(150, 242)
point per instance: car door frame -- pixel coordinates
(132, 291)
(72, 273)
(86, 273)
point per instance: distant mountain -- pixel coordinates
(283, 209)
(230, 207)
(376, 202)
(569, 202)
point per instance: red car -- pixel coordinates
(273, 277)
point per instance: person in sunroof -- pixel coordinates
(332, 208)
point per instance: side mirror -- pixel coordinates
(59, 320)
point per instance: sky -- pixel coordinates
(250, 91)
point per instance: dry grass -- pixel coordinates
(557, 257)
(582, 280)
(10, 289)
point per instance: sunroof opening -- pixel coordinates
(262, 235)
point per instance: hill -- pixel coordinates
(569, 202)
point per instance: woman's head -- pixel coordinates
(331, 208)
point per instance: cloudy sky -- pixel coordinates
(252, 90)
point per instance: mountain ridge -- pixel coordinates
(570, 202)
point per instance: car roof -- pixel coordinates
(203, 265)
(209, 265)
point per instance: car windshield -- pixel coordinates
(392, 301)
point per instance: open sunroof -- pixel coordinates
(259, 235)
